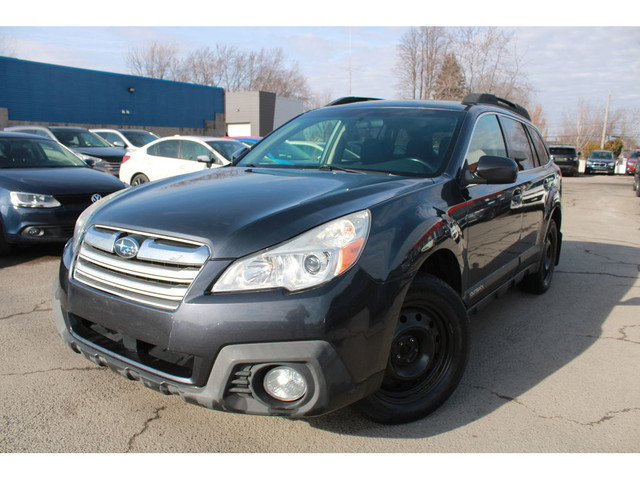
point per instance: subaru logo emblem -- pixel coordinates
(126, 247)
(95, 197)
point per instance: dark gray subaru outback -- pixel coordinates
(333, 263)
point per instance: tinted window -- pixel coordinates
(139, 138)
(519, 147)
(167, 148)
(27, 153)
(191, 150)
(487, 139)
(539, 146)
(563, 151)
(79, 138)
(386, 140)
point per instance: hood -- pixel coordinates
(237, 210)
(53, 181)
(110, 153)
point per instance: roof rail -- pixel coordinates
(346, 100)
(489, 99)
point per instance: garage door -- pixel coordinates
(239, 129)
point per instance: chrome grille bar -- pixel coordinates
(159, 275)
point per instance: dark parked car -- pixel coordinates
(636, 180)
(298, 286)
(90, 147)
(601, 161)
(566, 157)
(43, 190)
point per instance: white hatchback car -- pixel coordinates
(128, 138)
(170, 156)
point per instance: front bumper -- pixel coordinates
(214, 351)
(596, 167)
(32, 225)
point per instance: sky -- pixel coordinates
(348, 47)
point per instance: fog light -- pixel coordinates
(35, 232)
(285, 384)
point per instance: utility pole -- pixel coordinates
(606, 119)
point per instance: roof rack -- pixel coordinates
(346, 100)
(489, 99)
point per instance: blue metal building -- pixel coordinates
(42, 93)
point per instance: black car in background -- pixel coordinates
(294, 285)
(566, 157)
(90, 147)
(43, 190)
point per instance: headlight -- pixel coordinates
(308, 260)
(33, 200)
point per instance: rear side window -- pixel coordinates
(487, 139)
(518, 141)
(539, 146)
(165, 149)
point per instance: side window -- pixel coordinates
(109, 137)
(487, 139)
(540, 147)
(165, 149)
(191, 150)
(519, 147)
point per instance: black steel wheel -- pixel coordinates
(428, 355)
(139, 179)
(540, 281)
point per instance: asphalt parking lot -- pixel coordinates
(550, 373)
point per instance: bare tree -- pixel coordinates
(491, 63)
(222, 66)
(421, 53)
(156, 60)
(488, 59)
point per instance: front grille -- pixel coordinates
(159, 275)
(78, 198)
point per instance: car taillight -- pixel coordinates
(125, 158)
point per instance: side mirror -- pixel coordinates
(238, 154)
(119, 143)
(90, 162)
(493, 170)
(204, 159)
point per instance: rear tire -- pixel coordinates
(428, 355)
(139, 179)
(540, 281)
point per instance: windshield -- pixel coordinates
(226, 148)
(31, 153)
(403, 141)
(601, 155)
(79, 138)
(139, 139)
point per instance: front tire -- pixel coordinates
(428, 355)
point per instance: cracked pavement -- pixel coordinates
(550, 373)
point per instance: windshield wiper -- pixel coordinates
(334, 168)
